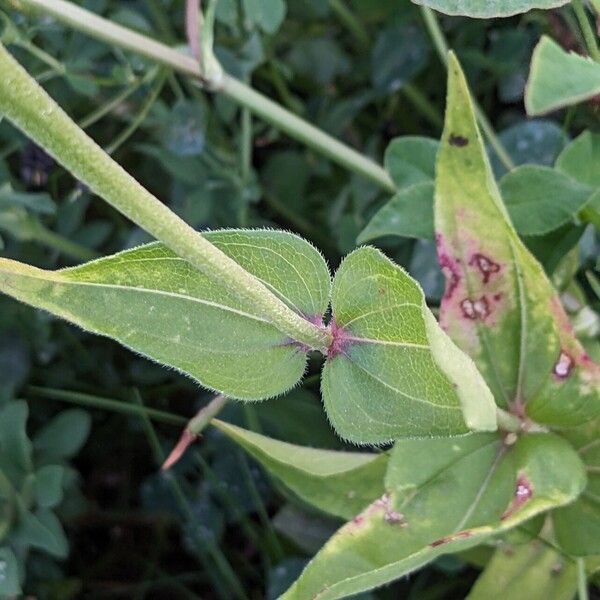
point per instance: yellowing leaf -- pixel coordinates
(443, 496)
(155, 303)
(391, 371)
(499, 306)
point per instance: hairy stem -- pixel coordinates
(32, 110)
(507, 422)
(97, 27)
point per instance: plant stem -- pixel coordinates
(32, 110)
(423, 104)
(441, 45)
(354, 26)
(507, 422)
(586, 29)
(202, 542)
(63, 245)
(87, 22)
(105, 404)
(582, 587)
(140, 117)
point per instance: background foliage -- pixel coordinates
(365, 71)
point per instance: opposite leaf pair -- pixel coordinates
(390, 370)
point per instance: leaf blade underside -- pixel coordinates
(155, 303)
(391, 371)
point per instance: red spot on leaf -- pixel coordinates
(564, 365)
(449, 267)
(523, 493)
(475, 309)
(485, 264)
(451, 538)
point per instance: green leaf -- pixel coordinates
(410, 160)
(400, 52)
(155, 303)
(540, 200)
(527, 572)
(339, 483)
(391, 371)
(486, 9)
(581, 159)
(267, 14)
(9, 574)
(408, 214)
(15, 447)
(48, 485)
(43, 531)
(63, 436)
(444, 496)
(558, 78)
(499, 306)
(577, 526)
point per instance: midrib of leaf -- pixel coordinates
(443, 468)
(484, 484)
(385, 343)
(522, 323)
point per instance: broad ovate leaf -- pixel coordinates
(408, 214)
(443, 496)
(499, 306)
(532, 571)
(540, 200)
(487, 9)
(336, 482)
(155, 303)
(391, 371)
(410, 160)
(577, 526)
(558, 78)
(581, 159)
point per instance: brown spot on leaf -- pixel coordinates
(381, 291)
(523, 493)
(485, 264)
(458, 140)
(564, 365)
(451, 538)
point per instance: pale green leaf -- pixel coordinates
(410, 160)
(391, 371)
(486, 9)
(41, 530)
(339, 483)
(408, 214)
(581, 159)
(531, 571)
(558, 78)
(444, 496)
(577, 526)
(499, 306)
(155, 303)
(540, 199)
